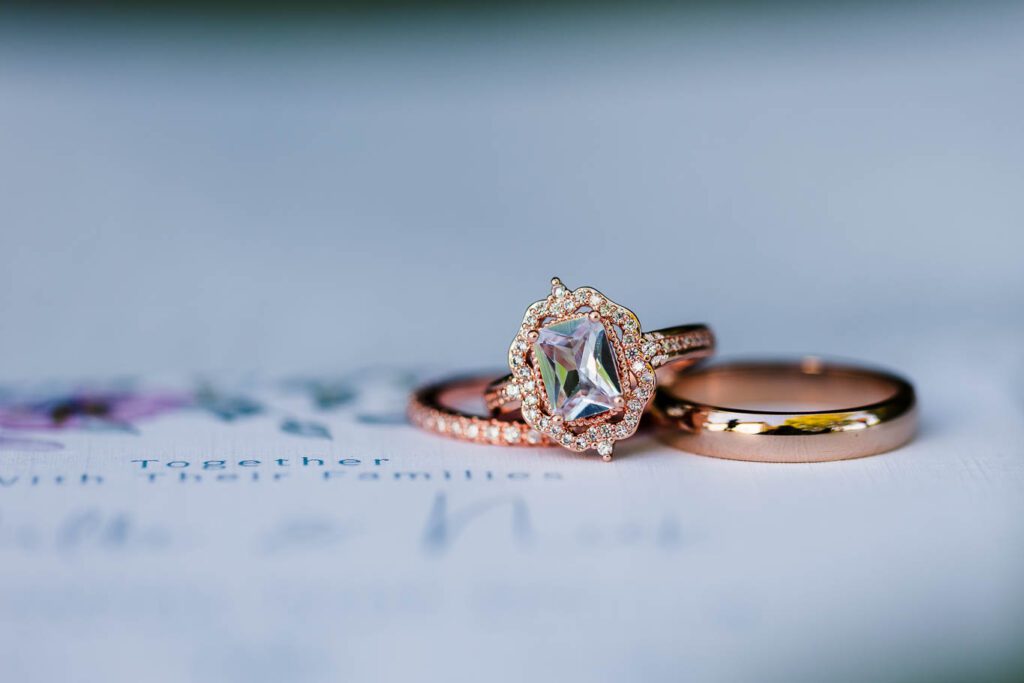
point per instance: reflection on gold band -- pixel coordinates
(813, 411)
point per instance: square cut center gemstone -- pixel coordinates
(577, 365)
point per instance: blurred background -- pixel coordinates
(281, 188)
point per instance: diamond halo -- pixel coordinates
(581, 369)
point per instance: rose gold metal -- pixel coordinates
(791, 411)
(439, 408)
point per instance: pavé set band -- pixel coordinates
(583, 375)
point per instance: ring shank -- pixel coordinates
(804, 411)
(682, 346)
(444, 408)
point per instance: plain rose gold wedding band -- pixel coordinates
(802, 411)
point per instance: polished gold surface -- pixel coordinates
(802, 411)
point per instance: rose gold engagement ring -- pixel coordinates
(583, 370)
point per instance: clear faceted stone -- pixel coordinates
(577, 365)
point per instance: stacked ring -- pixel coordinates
(583, 375)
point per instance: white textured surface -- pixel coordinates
(660, 566)
(179, 202)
